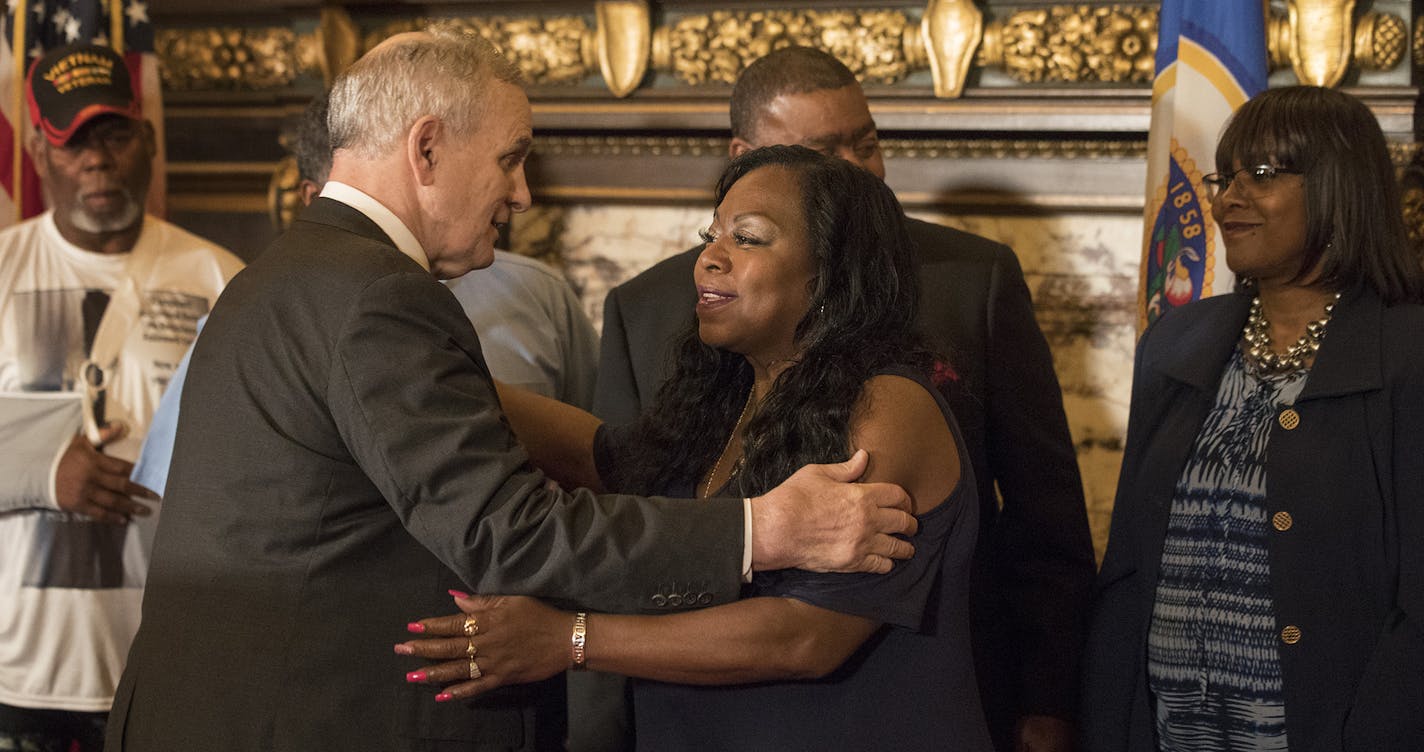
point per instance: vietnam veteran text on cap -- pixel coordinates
(74, 84)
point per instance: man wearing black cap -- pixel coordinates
(97, 304)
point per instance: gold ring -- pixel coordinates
(472, 628)
(475, 672)
(470, 649)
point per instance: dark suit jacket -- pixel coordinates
(341, 461)
(1349, 570)
(1035, 557)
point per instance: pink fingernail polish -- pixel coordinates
(458, 594)
(415, 677)
(404, 650)
(415, 627)
(444, 697)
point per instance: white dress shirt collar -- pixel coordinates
(389, 223)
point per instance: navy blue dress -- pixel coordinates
(911, 686)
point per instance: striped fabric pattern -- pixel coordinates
(1212, 658)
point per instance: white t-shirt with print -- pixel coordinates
(70, 588)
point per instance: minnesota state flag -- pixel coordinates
(1211, 57)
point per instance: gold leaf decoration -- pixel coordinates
(228, 58)
(1075, 44)
(548, 51)
(1380, 41)
(717, 47)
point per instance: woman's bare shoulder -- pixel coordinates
(900, 423)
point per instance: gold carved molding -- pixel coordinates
(284, 199)
(1074, 43)
(1409, 161)
(1418, 45)
(338, 38)
(281, 201)
(549, 51)
(1082, 43)
(1317, 40)
(1381, 41)
(894, 148)
(254, 59)
(624, 44)
(949, 34)
(714, 48)
(995, 148)
(229, 58)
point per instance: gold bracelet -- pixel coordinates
(579, 638)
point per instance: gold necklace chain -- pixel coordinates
(707, 487)
(1257, 334)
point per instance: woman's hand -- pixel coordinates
(497, 640)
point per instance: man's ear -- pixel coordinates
(39, 147)
(738, 147)
(424, 142)
(150, 139)
(307, 191)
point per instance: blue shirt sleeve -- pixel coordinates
(151, 468)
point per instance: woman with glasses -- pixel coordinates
(1263, 587)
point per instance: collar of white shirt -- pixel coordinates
(384, 218)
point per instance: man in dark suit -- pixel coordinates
(1034, 561)
(341, 459)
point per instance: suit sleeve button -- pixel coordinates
(674, 600)
(1282, 521)
(704, 599)
(660, 600)
(1291, 634)
(1289, 419)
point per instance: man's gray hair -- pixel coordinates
(439, 73)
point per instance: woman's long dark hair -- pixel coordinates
(864, 297)
(1354, 220)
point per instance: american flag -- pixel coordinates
(33, 26)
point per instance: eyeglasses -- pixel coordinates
(1257, 181)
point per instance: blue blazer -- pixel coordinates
(1348, 569)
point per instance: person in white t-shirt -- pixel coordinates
(98, 302)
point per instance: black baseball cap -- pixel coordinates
(71, 85)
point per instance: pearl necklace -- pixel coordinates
(1258, 340)
(707, 487)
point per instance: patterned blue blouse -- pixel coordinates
(1212, 660)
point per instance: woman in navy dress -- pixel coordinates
(804, 351)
